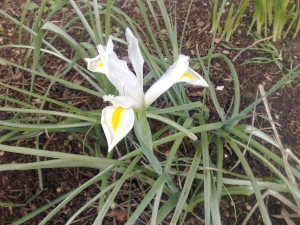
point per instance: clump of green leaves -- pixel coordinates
(270, 54)
(274, 15)
(233, 20)
(207, 178)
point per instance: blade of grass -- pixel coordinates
(115, 191)
(156, 186)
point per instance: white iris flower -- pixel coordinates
(117, 120)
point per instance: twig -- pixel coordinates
(250, 46)
(283, 151)
(124, 4)
(277, 195)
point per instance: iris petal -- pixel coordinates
(172, 75)
(129, 85)
(135, 55)
(96, 64)
(122, 101)
(192, 77)
(116, 123)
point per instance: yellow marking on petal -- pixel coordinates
(115, 120)
(101, 64)
(187, 75)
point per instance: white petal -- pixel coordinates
(96, 64)
(172, 75)
(192, 77)
(102, 51)
(110, 46)
(116, 123)
(129, 85)
(122, 101)
(135, 55)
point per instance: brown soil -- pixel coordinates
(19, 186)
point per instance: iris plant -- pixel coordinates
(117, 120)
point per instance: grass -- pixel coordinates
(207, 181)
(274, 15)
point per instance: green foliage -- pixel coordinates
(275, 13)
(205, 175)
(233, 19)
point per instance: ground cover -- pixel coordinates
(19, 186)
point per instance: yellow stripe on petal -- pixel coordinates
(100, 64)
(187, 75)
(116, 117)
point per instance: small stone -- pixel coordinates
(248, 207)
(164, 31)
(77, 81)
(200, 24)
(58, 190)
(36, 101)
(113, 205)
(204, 3)
(263, 83)
(220, 88)
(239, 31)
(226, 52)
(136, 10)
(217, 40)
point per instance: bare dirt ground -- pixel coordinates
(19, 186)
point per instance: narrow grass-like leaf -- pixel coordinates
(100, 92)
(173, 124)
(60, 155)
(206, 172)
(98, 22)
(160, 181)
(107, 19)
(262, 207)
(115, 191)
(40, 210)
(84, 22)
(167, 208)
(188, 183)
(67, 38)
(75, 193)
